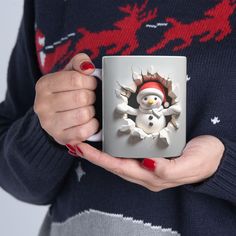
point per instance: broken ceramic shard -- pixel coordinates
(130, 88)
(139, 133)
(128, 127)
(137, 78)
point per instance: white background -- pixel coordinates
(16, 218)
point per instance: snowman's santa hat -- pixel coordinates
(152, 88)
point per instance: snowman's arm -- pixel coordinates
(124, 108)
(172, 110)
(132, 111)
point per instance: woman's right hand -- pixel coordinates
(64, 102)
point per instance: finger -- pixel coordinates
(163, 174)
(81, 63)
(126, 168)
(73, 99)
(76, 117)
(177, 169)
(159, 166)
(156, 187)
(189, 180)
(81, 133)
(67, 81)
(134, 181)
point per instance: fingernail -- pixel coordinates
(71, 148)
(73, 154)
(149, 164)
(86, 65)
(79, 151)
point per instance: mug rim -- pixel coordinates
(126, 56)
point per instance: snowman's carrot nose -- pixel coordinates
(150, 101)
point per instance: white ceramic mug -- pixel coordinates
(144, 106)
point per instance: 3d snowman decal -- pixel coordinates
(150, 98)
(153, 108)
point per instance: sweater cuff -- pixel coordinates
(223, 183)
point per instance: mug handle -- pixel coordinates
(98, 136)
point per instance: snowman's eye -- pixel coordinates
(155, 98)
(145, 98)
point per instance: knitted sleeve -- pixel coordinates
(32, 166)
(223, 183)
(220, 104)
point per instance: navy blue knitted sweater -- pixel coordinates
(86, 199)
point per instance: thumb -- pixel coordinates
(81, 63)
(162, 167)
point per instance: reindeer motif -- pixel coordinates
(123, 38)
(215, 25)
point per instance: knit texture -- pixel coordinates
(85, 198)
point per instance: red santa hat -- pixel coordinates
(152, 88)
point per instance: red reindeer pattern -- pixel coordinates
(215, 25)
(48, 60)
(123, 39)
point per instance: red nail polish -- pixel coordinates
(79, 151)
(70, 147)
(73, 154)
(149, 164)
(86, 65)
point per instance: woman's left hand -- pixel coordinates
(200, 160)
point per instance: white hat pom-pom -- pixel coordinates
(166, 104)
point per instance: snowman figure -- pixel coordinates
(150, 115)
(150, 97)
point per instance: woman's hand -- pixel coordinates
(64, 102)
(199, 161)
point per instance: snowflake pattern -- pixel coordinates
(215, 120)
(79, 172)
